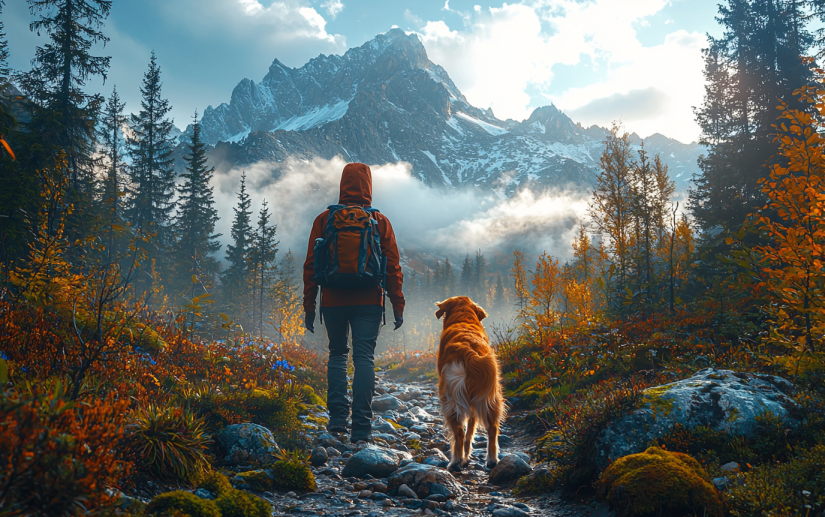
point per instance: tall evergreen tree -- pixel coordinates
(235, 279)
(262, 261)
(467, 275)
(150, 204)
(753, 67)
(61, 69)
(196, 240)
(480, 277)
(111, 137)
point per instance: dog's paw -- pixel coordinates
(454, 466)
(491, 463)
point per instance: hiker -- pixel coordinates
(353, 257)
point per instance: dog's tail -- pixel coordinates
(482, 376)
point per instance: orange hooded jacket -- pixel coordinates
(356, 189)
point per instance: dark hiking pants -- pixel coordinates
(365, 322)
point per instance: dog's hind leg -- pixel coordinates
(468, 440)
(456, 430)
(492, 418)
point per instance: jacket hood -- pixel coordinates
(356, 185)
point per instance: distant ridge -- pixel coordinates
(385, 101)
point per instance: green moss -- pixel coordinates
(186, 503)
(658, 482)
(414, 444)
(258, 480)
(283, 475)
(309, 397)
(293, 475)
(215, 482)
(237, 503)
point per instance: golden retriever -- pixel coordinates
(468, 380)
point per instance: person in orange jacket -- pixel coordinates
(358, 309)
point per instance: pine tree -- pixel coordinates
(5, 71)
(480, 277)
(61, 69)
(150, 207)
(467, 275)
(501, 297)
(111, 138)
(262, 259)
(236, 276)
(756, 64)
(196, 240)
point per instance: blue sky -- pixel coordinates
(598, 60)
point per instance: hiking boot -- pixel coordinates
(337, 428)
(355, 440)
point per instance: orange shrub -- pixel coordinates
(58, 457)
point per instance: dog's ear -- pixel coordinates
(480, 312)
(442, 308)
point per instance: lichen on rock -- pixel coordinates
(721, 400)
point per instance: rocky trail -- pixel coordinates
(385, 479)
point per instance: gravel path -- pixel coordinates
(375, 496)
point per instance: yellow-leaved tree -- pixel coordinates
(791, 266)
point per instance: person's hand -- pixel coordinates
(399, 319)
(309, 321)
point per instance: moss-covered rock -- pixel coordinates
(186, 503)
(215, 482)
(283, 475)
(658, 482)
(237, 503)
(310, 397)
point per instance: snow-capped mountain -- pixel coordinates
(387, 102)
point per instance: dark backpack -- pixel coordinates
(349, 255)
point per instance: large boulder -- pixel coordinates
(244, 444)
(424, 480)
(509, 468)
(722, 400)
(373, 460)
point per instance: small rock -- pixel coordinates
(509, 512)
(327, 440)
(379, 425)
(504, 440)
(439, 498)
(359, 486)
(720, 483)
(203, 493)
(372, 460)
(332, 452)
(522, 506)
(291, 495)
(378, 487)
(386, 403)
(318, 457)
(405, 491)
(424, 480)
(242, 444)
(387, 503)
(510, 468)
(378, 496)
(364, 494)
(729, 467)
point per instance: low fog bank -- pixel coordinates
(447, 223)
(431, 225)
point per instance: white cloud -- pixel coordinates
(502, 53)
(445, 222)
(673, 69)
(333, 7)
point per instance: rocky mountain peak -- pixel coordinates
(386, 102)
